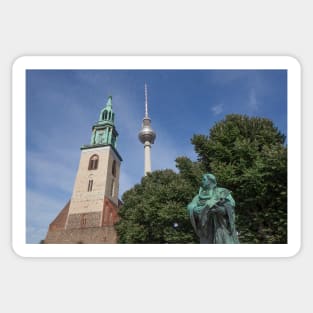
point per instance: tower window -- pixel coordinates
(93, 162)
(112, 188)
(90, 183)
(114, 168)
(83, 220)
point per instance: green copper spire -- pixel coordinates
(104, 132)
(109, 102)
(107, 114)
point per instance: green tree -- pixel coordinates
(154, 211)
(248, 156)
(190, 171)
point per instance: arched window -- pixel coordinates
(93, 162)
(90, 183)
(104, 114)
(114, 168)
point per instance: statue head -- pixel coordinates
(208, 181)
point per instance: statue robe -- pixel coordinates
(213, 218)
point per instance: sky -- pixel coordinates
(62, 106)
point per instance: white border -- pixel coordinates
(155, 62)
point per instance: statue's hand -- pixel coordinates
(218, 209)
(199, 208)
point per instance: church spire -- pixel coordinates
(109, 102)
(104, 132)
(107, 114)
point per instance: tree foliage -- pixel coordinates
(154, 211)
(248, 156)
(190, 171)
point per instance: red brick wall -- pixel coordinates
(85, 228)
(110, 213)
(92, 235)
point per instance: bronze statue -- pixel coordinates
(212, 213)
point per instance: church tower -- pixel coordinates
(90, 215)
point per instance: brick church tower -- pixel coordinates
(90, 215)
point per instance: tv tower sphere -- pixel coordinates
(146, 134)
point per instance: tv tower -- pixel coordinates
(147, 135)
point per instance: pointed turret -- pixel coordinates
(107, 114)
(103, 131)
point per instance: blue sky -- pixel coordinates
(62, 106)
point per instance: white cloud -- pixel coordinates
(217, 109)
(253, 104)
